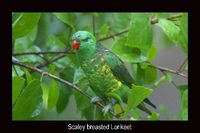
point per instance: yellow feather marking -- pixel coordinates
(92, 60)
(118, 83)
(84, 65)
(105, 69)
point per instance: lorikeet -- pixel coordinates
(104, 70)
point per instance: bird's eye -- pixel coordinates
(86, 39)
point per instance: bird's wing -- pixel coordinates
(116, 65)
(118, 69)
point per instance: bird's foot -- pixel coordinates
(96, 99)
(106, 109)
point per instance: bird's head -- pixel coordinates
(83, 39)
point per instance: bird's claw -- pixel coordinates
(96, 99)
(106, 109)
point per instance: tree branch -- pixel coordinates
(168, 70)
(172, 80)
(44, 52)
(62, 81)
(181, 66)
(153, 21)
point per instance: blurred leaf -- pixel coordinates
(82, 102)
(152, 52)
(126, 53)
(154, 116)
(186, 66)
(170, 29)
(119, 21)
(15, 15)
(51, 68)
(145, 75)
(135, 114)
(23, 44)
(104, 30)
(140, 33)
(24, 24)
(45, 92)
(184, 110)
(54, 43)
(63, 99)
(183, 38)
(164, 111)
(28, 102)
(17, 84)
(67, 18)
(16, 71)
(28, 76)
(53, 94)
(136, 95)
(182, 89)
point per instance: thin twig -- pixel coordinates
(181, 66)
(44, 52)
(172, 82)
(153, 21)
(113, 35)
(50, 61)
(168, 70)
(62, 81)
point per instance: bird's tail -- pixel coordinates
(150, 103)
(143, 108)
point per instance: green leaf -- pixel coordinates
(184, 110)
(154, 116)
(67, 18)
(126, 53)
(170, 29)
(120, 21)
(28, 76)
(28, 102)
(104, 30)
(45, 92)
(183, 38)
(54, 43)
(24, 24)
(145, 74)
(140, 33)
(136, 95)
(51, 68)
(24, 43)
(186, 66)
(17, 71)
(53, 95)
(63, 99)
(17, 84)
(152, 52)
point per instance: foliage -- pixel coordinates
(34, 95)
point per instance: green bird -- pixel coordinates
(105, 72)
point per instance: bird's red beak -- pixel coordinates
(75, 45)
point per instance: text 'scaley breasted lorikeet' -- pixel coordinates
(104, 70)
